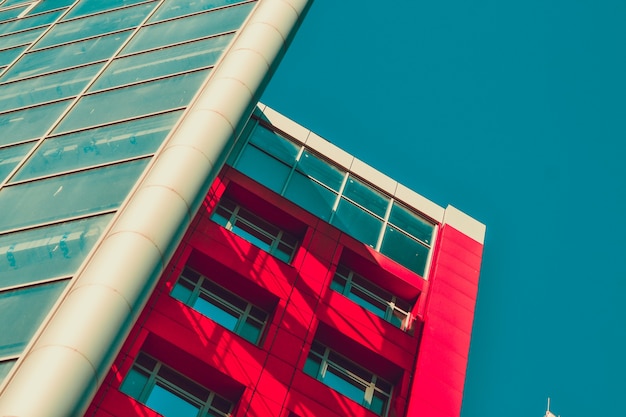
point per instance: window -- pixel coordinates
(170, 393)
(348, 378)
(221, 305)
(371, 297)
(255, 230)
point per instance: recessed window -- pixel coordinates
(170, 393)
(220, 305)
(348, 378)
(371, 297)
(255, 230)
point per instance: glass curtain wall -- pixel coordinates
(88, 92)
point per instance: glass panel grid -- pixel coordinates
(224, 307)
(336, 196)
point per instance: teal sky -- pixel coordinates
(515, 113)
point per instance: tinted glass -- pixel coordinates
(85, 7)
(366, 196)
(404, 250)
(314, 167)
(5, 368)
(11, 13)
(20, 38)
(46, 88)
(22, 311)
(29, 22)
(311, 196)
(169, 403)
(192, 27)
(411, 223)
(97, 146)
(175, 8)
(137, 100)
(10, 157)
(8, 55)
(162, 62)
(30, 123)
(95, 25)
(216, 311)
(50, 5)
(69, 195)
(65, 56)
(47, 252)
(263, 168)
(275, 145)
(357, 223)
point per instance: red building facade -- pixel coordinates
(309, 322)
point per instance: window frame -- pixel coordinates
(153, 378)
(323, 358)
(393, 303)
(279, 241)
(249, 312)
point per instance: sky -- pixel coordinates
(515, 113)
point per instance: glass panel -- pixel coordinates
(11, 13)
(20, 38)
(68, 195)
(29, 123)
(311, 196)
(312, 366)
(183, 383)
(96, 25)
(379, 403)
(22, 311)
(217, 312)
(29, 22)
(175, 8)
(263, 168)
(252, 235)
(411, 223)
(162, 62)
(5, 368)
(46, 88)
(275, 145)
(168, 403)
(340, 382)
(368, 302)
(182, 291)
(357, 223)
(251, 330)
(134, 383)
(366, 196)
(404, 250)
(192, 27)
(50, 5)
(97, 146)
(9, 3)
(322, 171)
(85, 7)
(137, 100)
(48, 252)
(65, 56)
(8, 55)
(10, 157)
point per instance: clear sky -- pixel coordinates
(514, 112)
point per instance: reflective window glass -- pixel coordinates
(8, 55)
(9, 3)
(20, 38)
(69, 195)
(44, 6)
(10, 157)
(85, 7)
(314, 167)
(366, 196)
(5, 368)
(311, 196)
(47, 252)
(192, 27)
(404, 250)
(264, 168)
(275, 145)
(175, 8)
(29, 22)
(357, 223)
(45, 88)
(22, 311)
(162, 62)
(411, 223)
(11, 13)
(136, 100)
(97, 146)
(70, 55)
(29, 123)
(95, 25)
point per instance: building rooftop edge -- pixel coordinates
(450, 215)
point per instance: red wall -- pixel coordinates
(267, 380)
